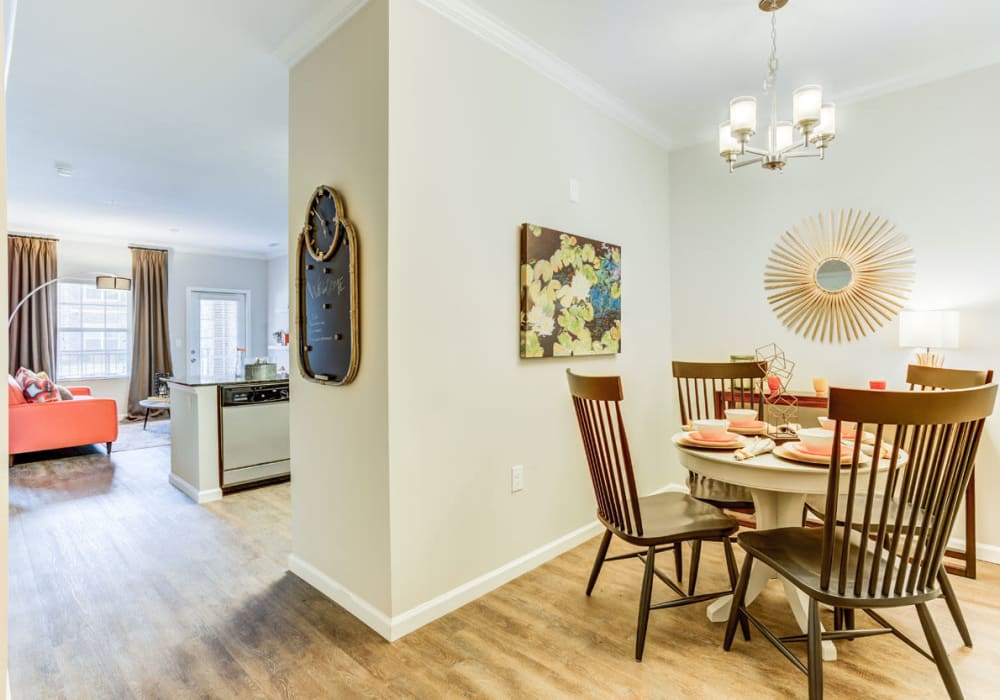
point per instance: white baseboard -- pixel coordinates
(193, 493)
(417, 617)
(342, 596)
(392, 628)
(984, 552)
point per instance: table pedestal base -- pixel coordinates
(773, 510)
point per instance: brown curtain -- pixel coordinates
(150, 331)
(31, 262)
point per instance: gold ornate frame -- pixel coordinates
(881, 264)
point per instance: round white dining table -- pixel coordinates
(779, 488)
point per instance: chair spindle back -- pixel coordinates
(597, 401)
(923, 378)
(706, 389)
(936, 436)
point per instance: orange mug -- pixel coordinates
(877, 384)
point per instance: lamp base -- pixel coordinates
(930, 359)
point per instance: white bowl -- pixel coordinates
(741, 416)
(847, 430)
(710, 427)
(816, 439)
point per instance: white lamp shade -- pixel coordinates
(743, 116)
(806, 104)
(928, 329)
(827, 120)
(784, 135)
(727, 144)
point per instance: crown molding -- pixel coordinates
(313, 31)
(491, 30)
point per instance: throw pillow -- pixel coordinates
(37, 389)
(64, 393)
(15, 394)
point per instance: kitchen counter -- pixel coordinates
(208, 380)
(199, 445)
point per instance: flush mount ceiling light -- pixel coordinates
(814, 120)
(63, 169)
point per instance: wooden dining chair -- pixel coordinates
(704, 391)
(657, 523)
(922, 378)
(934, 439)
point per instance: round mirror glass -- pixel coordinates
(833, 275)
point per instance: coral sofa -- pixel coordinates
(55, 424)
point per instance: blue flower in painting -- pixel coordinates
(608, 272)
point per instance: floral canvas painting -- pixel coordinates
(571, 294)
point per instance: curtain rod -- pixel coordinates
(141, 247)
(11, 234)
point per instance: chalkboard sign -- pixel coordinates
(327, 289)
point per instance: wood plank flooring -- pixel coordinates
(120, 587)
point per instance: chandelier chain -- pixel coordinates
(772, 63)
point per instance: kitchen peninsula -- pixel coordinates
(227, 434)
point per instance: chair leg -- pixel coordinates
(734, 574)
(815, 651)
(948, 593)
(838, 619)
(679, 561)
(602, 551)
(647, 592)
(736, 609)
(939, 653)
(695, 559)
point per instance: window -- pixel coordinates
(92, 340)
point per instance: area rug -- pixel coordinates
(131, 436)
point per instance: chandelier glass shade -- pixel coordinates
(808, 135)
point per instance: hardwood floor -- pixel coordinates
(121, 587)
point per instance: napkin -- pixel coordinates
(759, 446)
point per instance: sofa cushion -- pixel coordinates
(37, 389)
(15, 394)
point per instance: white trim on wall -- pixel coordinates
(191, 492)
(397, 626)
(314, 31)
(485, 26)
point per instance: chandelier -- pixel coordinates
(811, 118)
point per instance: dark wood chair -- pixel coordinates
(899, 565)
(704, 391)
(657, 523)
(922, 378)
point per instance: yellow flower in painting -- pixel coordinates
(539, 322)
(579, 288)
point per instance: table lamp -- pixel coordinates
(930, 330)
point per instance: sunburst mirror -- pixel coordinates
(839, 276)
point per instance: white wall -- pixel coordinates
(479, 144)
(7, 16)
(338, 132)
(185, 269)
(278, 314)
(197, 270)
(906, 156)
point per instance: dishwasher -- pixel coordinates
(254, 434)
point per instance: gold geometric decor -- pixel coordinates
(840, 276)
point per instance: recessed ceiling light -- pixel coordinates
(272, 245)
(64, 169)
(173, 230)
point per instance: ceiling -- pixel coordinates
(678, 63)
(174, 114)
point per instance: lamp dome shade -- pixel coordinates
(928, 329)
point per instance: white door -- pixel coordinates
(217, 331)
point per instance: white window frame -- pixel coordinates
(59, 328)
